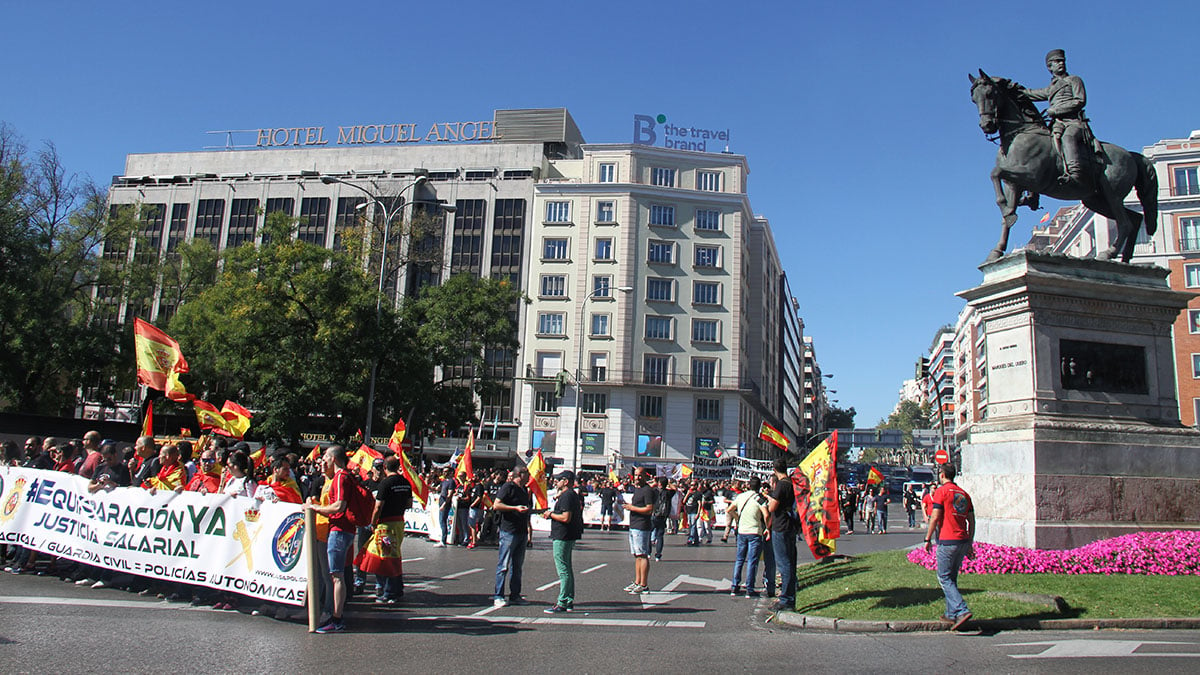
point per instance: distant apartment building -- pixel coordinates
(816, 401)
(938, 382)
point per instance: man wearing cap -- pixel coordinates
(1069, 126)
(514, 505)
(566, 528)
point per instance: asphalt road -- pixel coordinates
(447, 624)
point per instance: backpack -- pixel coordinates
(662, 505)
(360, 505)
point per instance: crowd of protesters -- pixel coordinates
(493, 507)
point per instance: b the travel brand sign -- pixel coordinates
(658, 131)
(378, 134)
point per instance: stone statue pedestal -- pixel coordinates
(1081, 437)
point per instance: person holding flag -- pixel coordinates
(381, 554)
(781, 525)
(514, 505)
(420, 491)
(816, 488)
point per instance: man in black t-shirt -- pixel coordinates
(566, 528)
(514, 504)
(781, 508)
(660, 515)
(691, 508)
(641, 504)
(608, 497)
(393, 497)
(445, 503)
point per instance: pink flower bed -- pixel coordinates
(1160, 553)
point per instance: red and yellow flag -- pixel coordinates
(363, 458)
(237, 419)
(396, 444)
(148, 422)
(612, 475)
(208, 417)
(816, 489)
(537, 481)
(158, 355)
(685, 471)
(464, 461)
(287, 491)
(874, 477)
(773, 436)
(315, 454)
(259, 457)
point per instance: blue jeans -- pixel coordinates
(444, 521)
(339, 545)
(882, 520)
(657, 536)
(512, 558)
(392, 587)
(784, 545)
(949, 560)
(768, 558)
(748, 546)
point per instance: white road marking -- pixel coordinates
(406, 560)
(463, 573)
(593, 569)
(552, 584)
(563, 621)
(1074, 649)
(486, 610)
(92, 602)
(654, 598)
(722, 584)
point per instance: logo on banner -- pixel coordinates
(12, 500)
(289, 538)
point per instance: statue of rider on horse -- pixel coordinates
(1062, 159)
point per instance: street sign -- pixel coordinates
(941, 456)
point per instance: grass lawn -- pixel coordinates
(884, 586)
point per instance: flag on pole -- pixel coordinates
(773, 436)
(1044, 218)
(874, 477)
(258, 457)
(537, 480)
(685, 471)
(315, 454)
(363, 458)
(209, 417)
(816, 489)
(158, 355)
(176, 391)
(395, 443)
(612, 476)
(148, 422)
(463, 466)
(237, 419)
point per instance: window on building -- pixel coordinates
(552, 323)
(708, 219)
(708, 256)
(508, 226)
(1186, 182)
(608, 172)
(606, 212)
(601, 286)
(516, 174)
(554, 286)
(284, 205)
(554, 248)
(466, 246)
(662, 215)
(706, 330)
(662, 176)
(708, 409)
(599, 367)
(661, 290)
(706, 292)
(344, 220)
(1196, 366)
(709, 181)
(545, 402)
(704, 373)
(1189, 231)
(448, 174)
(655, 369)
(548, 363)
(558, 212)
(1191, 275)
(595, 404)
(314, 220)
(658, 328)
(177, 229)
(661, 252)
(209, 214)
(600, 325)
(604, 249)
(650, 406)
(477, 174)
(243, 217)
(152, 218)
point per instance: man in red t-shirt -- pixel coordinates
(341, 531)
(953, 519)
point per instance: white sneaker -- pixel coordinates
(438, 544)
(499, 602)
(85, 582)
(100, 584)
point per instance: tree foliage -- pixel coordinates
(52, 225)
(908, 415)
(840, 418)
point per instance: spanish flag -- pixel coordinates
(816, 489)
(874, 477)
(259, 457)
(148, 422)
(464, 461)
(363, 458)
(685, 471)
(612, 475)
(315, 454)
(773, 436)
(176, 391)
(158, 356)
(537, 481)
(209, 417)
(237, 419)
(395, 443)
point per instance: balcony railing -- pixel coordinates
(1189, 244)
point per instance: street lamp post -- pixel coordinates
(388, 216)
(578, 444)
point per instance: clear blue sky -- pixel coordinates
(840, 108)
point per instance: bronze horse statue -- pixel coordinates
(1028, 163)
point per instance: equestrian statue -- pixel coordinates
(1060, 157)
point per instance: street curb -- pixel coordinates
(808, 622)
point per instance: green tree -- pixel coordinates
(53, 254)
(840, 418)
(908, 415)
